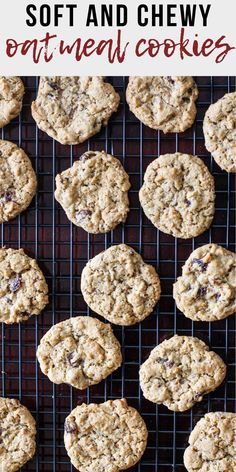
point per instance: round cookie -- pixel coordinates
(206, 291)
(72, 109)
(212, 444)
(18, 431)
(80, 351)
(180, 371)
(165, 103)
(94, 192)
(109, 437)
(23, 289)
(11, 97)
(178, 195)
(18, 181)
(219, 127)
(118, 285)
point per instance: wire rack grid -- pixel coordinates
(62, 251)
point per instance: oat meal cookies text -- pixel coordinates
(212, 444)
(180, 371)
(165, 103)
(206, 291)
(178, 195)
(18, 181)
(118, 285)
(219, 128)
(72, 109)
(11, 97)
(109, 437)
(18, 431)
(23, 288)
(94, 192)
(80, 351)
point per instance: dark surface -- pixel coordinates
(62, 251)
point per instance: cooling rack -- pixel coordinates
(62, 251)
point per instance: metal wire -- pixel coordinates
(62, 251)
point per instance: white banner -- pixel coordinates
(127, 37)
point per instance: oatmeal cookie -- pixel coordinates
(212, 444)
(165, 103)
(18, 181)
(23, 289)
(94, 192)
(79, 351)
(178, 195)
(118, 285)
(109, 437)
(18, 431)
(11, 97)
(219, 128)
(72, 109)
(206, 291)
(179, 371)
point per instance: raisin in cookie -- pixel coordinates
(11, 97)
(165, 103)
(80, 351)
(118, 285)
(23, 289)
(72, 109)
(17, 433)
(212, 444)
(179, 371)
(17, 181)
(109, 437)
(178, 195)
(206, 291)
(219, 128)
(94, 192)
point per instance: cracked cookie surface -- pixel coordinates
(94, 192)
(219, 128)
(178, 195)
(80, 351)
(180, 371)
(23, 289)
(18, 181)
(72, 109)
(108, 437)
(17, 433)
(11, 97)
(165, 103)
(212, 444)
(206, 290)
(118, 285)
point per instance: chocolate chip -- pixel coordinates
(197, 396)
(70, 426)
(201, 264)
(53, 85)
(72, 360)
(15, 284)
(83, 215)
(6, 197)
(87, 155)
(217, 296)
(190, 91)
(165, 361)
(186, 99)
(188, 203)
(201, 292)
(169, 78)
